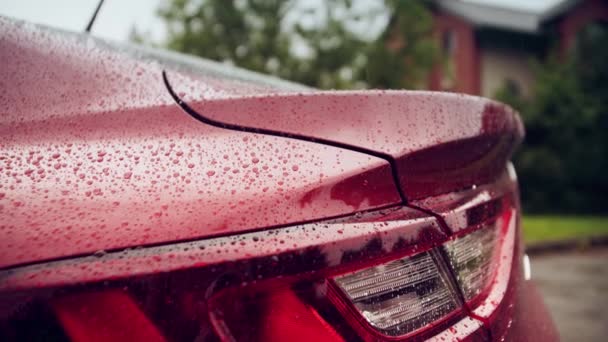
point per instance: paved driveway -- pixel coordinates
(575, 288)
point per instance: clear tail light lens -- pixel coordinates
(474, 259)
(400, 296)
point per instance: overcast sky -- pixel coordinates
(117, 17)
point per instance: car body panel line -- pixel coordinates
(206, 120)
(3, 270)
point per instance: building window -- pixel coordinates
(448, 42)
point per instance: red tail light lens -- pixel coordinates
(272, 313)
(104, 316)
(387, 275)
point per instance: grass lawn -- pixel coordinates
(551, 228)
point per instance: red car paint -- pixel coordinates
(103, 150)
(96, 155)
(429, 135)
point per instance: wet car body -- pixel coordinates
(151, 196)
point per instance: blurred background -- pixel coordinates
(546, 58)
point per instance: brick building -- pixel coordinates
(487, 44)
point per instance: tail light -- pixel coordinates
(401, 296)
(473, 258)
(387, 275)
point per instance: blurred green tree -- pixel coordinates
(405, 51)
(564, 160)
(326, 46)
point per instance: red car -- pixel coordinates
(151, 196)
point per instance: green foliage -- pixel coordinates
(555, 228)
(563, 162)
(244, 33)
(264, 36)
(406, 64)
